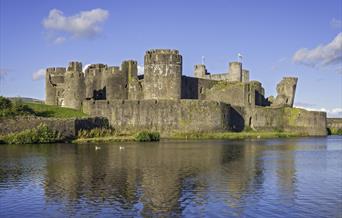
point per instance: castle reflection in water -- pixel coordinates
(166, 178)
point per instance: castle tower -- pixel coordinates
(245, 76)
(130, 68)
(95, 81)
(54, 85)
(116, 83)
(162, 74)
(200, 71)
(74, 86)
(235, 71)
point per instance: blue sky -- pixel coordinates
(276, 39)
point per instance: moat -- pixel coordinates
(296, 177)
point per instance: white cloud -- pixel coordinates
(321, 56)
(336, 23)
(39, 74)
(140, 70)
(85, 67)
(59, 40)
(85, 24)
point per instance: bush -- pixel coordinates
(146, 136)
(96, 132)
(9, 108)
(40, 134)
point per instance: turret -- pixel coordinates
(235, 71)
(162, 74)
(245, 76)
(200, 71)
(54, 81)
(74, 86)
(130, 68)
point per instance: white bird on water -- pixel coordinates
(97, 148)
(121, 147)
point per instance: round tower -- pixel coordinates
(235, 71)
(162, 74)
(74, 86)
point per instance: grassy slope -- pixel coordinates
(233, 135)
(44, 110)
(195, 136)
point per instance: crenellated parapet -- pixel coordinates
(162, 56)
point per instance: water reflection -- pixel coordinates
(221, 178)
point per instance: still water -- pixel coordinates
(298, 177)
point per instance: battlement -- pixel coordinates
(162, 56)
(290, 79)
(56, 70)
(162, 51)
(75, 66)
(113, 69)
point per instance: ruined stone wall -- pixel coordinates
(334, 123)
(135, 89)
(54, 86)
(103, 82)
(194, 88)
(228, 92)
(165, 116)
(116, 83)
(95, 81)
(286, 90)
(68, 128)
(303, 121)
(162, 74)
(286, 119)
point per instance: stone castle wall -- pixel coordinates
(286, 119)
(165, 116)
(67, 128)
(160, 99)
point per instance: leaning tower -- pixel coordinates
(162, 74)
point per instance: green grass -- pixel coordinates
(146, 136)
(334, 131)
(143, 136)
(107, 139)
(233, 135)
(44, 110)
(40, 134)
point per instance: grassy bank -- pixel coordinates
(44, 110)
(109, 135)
(334, 131)
(17, 107)
(192, 136)
(233, 135)
(38, 135)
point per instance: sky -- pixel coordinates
(301, 38)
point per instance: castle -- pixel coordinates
(163, 99)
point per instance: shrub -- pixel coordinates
(9, 108)
(146, 136)
(40, 134)
(96, 132)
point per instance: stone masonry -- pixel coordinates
(163, 99)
